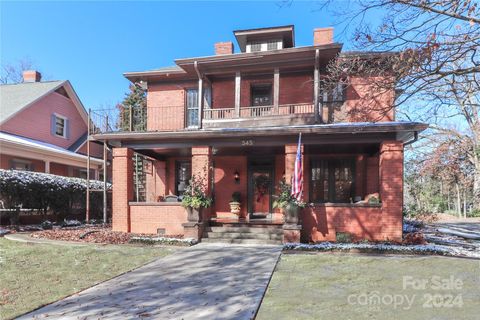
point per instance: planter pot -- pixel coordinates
(235, 207)
(291, 214)
(194, 215)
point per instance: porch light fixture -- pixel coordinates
(236, 176)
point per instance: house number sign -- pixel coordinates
(248, 142)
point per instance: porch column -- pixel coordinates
(391, 189)
(201, 168)
(291, 232)
(290, 156)
(122, 179)
(316, 89)
(47, 166)
(276, 89)
(238, 80)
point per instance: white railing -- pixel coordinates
(258, 111)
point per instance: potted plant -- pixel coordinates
(288, 203)
(235, 205)
(195, 199)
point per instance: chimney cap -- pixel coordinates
(31, 76)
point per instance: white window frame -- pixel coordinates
(64, 135)
(264, 45)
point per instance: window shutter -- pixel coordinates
(67, 129)
(52, 124)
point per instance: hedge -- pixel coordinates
(48, 193)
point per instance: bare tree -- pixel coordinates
(13, 72)
(427, 51)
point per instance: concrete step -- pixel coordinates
(258, 230)
(243, 235)
(241, 241)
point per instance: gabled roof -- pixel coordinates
(16, 97)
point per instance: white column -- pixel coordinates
(47, 166)
(316, 80)
(276, 89)
(200, 102)
(238, 79)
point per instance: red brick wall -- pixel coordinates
(367, 103)
(322, 222)
(122, 188)
(166, 106)
(202, 169)
(225, 167)
(391, 188)
(296, 88)
(224, 47)
(223, 93)
(148, 218)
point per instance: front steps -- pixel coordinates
(244, 233)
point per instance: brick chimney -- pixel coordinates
(31, 76)
(224, 48)
(322, 36)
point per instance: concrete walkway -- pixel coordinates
(206, 281)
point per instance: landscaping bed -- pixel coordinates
(96, 234)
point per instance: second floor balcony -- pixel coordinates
(180, 117)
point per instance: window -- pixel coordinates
(22, 165)
(183, 174)
(272, 45)
(261, 95)
(192, 108)
(59, 126)
(331, 180)
(335, 94)
(255, 46)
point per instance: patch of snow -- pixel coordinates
(383, 247)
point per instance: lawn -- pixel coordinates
(32, 275)
(354, 286)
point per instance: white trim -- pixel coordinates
(32, 149)
(65, 123)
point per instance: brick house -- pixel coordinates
(43, 128)
(234, 120)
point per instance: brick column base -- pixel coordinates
(291, 233)
(193, 230)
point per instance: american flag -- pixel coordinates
(297, 178)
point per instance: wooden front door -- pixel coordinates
(260, 188)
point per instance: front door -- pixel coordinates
(260, 188)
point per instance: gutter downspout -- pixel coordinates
(200, 94)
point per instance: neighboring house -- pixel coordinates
(43, 128)
(234, 120)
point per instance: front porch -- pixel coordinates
(341, 175)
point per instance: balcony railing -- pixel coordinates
(258, 111)
(173, 118)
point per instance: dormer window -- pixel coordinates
(266, 45)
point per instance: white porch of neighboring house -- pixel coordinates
(54, 159)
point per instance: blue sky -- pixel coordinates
(93, 43)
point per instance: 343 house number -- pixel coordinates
(248, 142)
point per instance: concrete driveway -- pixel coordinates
(206, 281)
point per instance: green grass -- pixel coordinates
(318, 286)
(32, 275)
